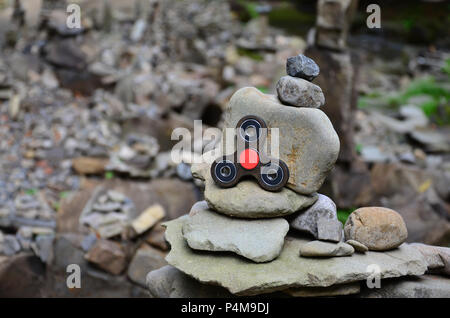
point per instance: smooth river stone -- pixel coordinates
(378, 228)
(326, 249)
(298, 92)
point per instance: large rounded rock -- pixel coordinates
(308, 142)
(248, 200)
(377, 228)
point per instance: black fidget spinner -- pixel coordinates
(272, 175)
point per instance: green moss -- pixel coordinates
(63, 194)
(109, 175)
(358, 148)
(427, 86)
(263, 89)
(436, 107)
(250, 7)
(343, 214)
(251, 54)
(289, 18)
(31, 191)
(446, 67)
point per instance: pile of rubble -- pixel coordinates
(86, 117)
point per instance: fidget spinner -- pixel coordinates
(272, 175)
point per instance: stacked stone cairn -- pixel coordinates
(245, 240)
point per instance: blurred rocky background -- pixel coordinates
(86, 117)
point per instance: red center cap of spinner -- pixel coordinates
(249, 159)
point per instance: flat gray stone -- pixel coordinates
(437, 257)
(11, 245)
(325, 249)
(249, 199)
(243, 277)
(427, 286)
(169, 282)
(309, 144)
(359, 247)
(258, 240)
(323, 210)
(302, 66)
(298, 92)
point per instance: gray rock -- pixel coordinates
(295, 91)
(88, 241)
(378, 228)
(259, 240)
(332, 23)
(302, 66)
(107, 207)
(359, 247)
(325, 249)
(169, 282)
(198, 206)
(322, 211)
(116, 196)
(11, 245)
(145, 260)
(427, 286)
(184, 171)
(437, 257)
(288, 270)
(301, 130)
(329, 230)
(43, 248)
(337, 81)
(433, 140)
(249, 199)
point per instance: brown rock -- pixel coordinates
(337, 80)
(108, 255)
(145, 260)
(377, 228)
(156, 237)
(22, 275)
(89, 165)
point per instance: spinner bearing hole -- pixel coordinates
(250, 132)
(225, 171)
(272, 174)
